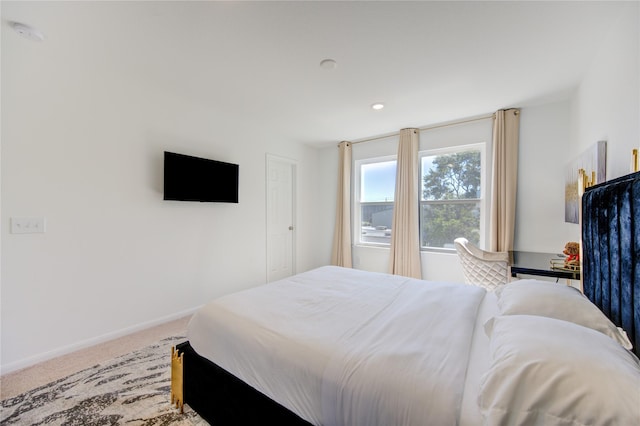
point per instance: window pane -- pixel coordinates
(451, 176)
(378, 182)
(376, 223)
(443, 223)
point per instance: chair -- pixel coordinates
(482, 268)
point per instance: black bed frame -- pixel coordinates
(222, 399)
(611, 270)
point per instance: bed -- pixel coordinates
(338, 346)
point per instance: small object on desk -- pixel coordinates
(572, 250)
(562, 265)
(570, 263)
(541, 264)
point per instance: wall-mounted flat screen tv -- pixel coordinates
(188, 178)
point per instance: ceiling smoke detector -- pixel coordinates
(27, 31)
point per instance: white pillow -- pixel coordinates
(534, 297)
(550, 372)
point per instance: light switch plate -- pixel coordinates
(27, 225)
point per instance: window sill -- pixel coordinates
(372, 246)
(438, 250)
(388, 247)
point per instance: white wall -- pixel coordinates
(543, 156)
(607, 104)
(540, 226)
(83, 148)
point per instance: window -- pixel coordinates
(451, 203)
(374, 200)
(451, 196)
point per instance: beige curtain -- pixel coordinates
(504, 179)
(405, 235)
(341, 253)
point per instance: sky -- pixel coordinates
(378, 180)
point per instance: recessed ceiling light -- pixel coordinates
(27, 31)
(377, 106)
(328, 64)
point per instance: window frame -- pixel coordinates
(357, 204)
(453, 149)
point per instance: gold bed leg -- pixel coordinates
(176, 379)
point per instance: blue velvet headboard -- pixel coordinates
(611, 251)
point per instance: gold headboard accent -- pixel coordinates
(585, 181)
(635, 161)
(177, 381)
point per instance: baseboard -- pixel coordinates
(32, 360)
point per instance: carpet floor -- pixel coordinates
(133, 389)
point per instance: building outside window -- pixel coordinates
(374, 200)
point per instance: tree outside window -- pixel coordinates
(450, 198)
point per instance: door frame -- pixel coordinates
(270, 158)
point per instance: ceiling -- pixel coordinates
(258, 63)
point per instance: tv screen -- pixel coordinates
(188, 178)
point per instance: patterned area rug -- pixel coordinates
(133, 389)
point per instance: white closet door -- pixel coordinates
(281, 178)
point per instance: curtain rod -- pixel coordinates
(435, 126)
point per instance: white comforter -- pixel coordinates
(346, 347)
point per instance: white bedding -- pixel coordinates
(479, 362)
(342, 346)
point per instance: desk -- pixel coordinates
(532, 263)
